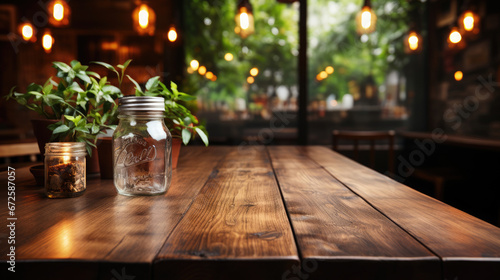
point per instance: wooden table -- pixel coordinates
(276, 212)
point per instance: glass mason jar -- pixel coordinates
(65, 169)
(142, 147)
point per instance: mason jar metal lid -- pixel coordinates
(141, 103)
(65, 148)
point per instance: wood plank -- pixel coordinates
(237, 227)
(453, 235)
(291, 157)
(101, 226)
(19, 149)
(340, 235)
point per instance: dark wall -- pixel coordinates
(471, 106)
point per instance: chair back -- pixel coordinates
(366, 136)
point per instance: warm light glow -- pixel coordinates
(47, 42)
(202, 70)
(194, 64)
(66, 151)
(366, 19)
(58, 13)
(27, 31)
(214, 78)
(244, 20)
(143, 16)
(250, 80)
(455, 36)
(459, 75)
(172, 34)
(209, 75)
(333, 103)
(329, 70)
(468, 21)
(144, 20)
(413, 41)
(228, 56)
(254, 71)
(190, 70)
(323, 75)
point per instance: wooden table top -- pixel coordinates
(254, 212)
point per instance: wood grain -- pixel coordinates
(453, 235)
(237, 227)
(118, 231)
(339, 234)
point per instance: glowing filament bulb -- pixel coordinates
(143, 16)
(194, 64)
(244, 20)
(58, 12)
(455, 37)
(468, 21)
(366, 19)
(458, 75)
(413, 41)
(172, 34)
(27, 32)
(47, 42)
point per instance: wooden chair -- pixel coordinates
(367, 136)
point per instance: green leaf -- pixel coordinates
(186, 97)
(62, 66)
(93, 74)
(202, 135)
(83, 77)
(61, 129)
(152, 83)
(186, 136)
(125, 65)
(47, 88)
(137, 87)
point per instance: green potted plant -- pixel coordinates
(79, 106)
(183, 125)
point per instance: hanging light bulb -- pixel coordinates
(455, 40)
(172, 34)
(413, 42)
(455, 37)
(366, 19)
(244, 19)
(27, 31)
(194, 64)
(144, 20)
(47, 41)
(59, 12)
(468, 23)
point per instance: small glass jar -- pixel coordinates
(65, 173)
(142, 147)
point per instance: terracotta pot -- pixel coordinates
(176, 149)
(104, 149)
(42, 133)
